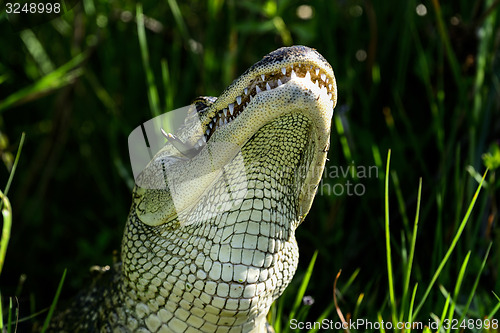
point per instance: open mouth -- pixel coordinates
(284, 101)
(266, 82)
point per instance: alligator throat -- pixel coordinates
(209, 243)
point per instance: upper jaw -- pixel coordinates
(274, 70)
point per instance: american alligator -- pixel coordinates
(216, 259)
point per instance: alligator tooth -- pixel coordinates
(245, 91)
(231, 108)
(317, 83)
(238, 100)
(279, 82)
(330, 95)
(323, 91)
(293, 75)
(308, 75)
(211, 124)
(220, 122)
(330, 86)
(225, 121)
(300, 65)
(257, 89)
(263, 77)
(225, 112)
(317, 71)
(327, 79)
(283, 70)
(204, 139)
(323, 76)
(268, 87)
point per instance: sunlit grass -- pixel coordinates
(6, 209)
(402, 307)
(411, 249)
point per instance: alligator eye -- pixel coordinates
(200, 107)
(203, 102)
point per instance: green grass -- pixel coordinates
(6, 209)
(420, 244)
(450, 313)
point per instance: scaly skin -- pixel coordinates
(212, 248)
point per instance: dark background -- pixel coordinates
(77, 86)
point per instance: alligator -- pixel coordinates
(211, 248)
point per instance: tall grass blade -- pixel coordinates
(350, 281)
(337, 308)
(6, 229)
(9, 318)
(495, 309)
(388, 240)
(380, 320)
(445, 308)
(37, 51)
(280, 25)
(452, 246)
(409, 265)
(443, 33)
(484, 63)
(1, 314)
(168, 87)
(14, 166)
(303, 286)
(343, 138)
(476, 283)
(54, 303)
(153, 97)
(272, 316)
(279, 316)
(461, 275)
(7, 225)
(412, 303)
(181, 25)
(62, 76)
